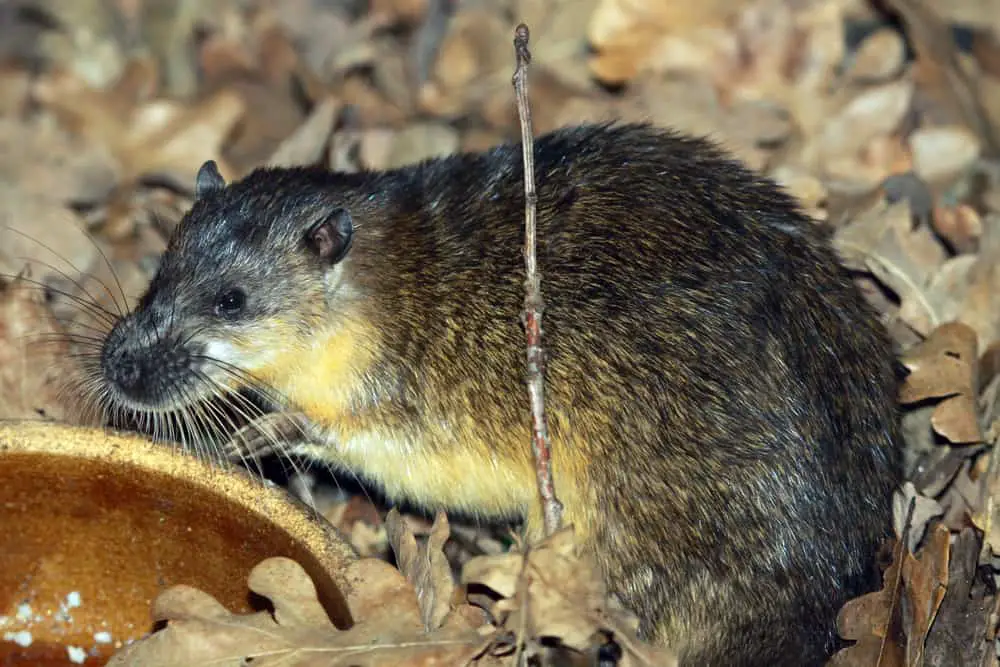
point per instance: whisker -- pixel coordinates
(91, 307)
(72, 281)
(97, 246)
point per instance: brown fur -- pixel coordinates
(720, 398)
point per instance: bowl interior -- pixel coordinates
(92, 530)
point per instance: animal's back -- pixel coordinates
(721, 399)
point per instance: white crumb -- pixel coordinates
(22, 638)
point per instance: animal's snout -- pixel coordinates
(123, 369)
(144, 367)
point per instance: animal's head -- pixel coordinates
(251, 269)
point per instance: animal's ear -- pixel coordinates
(331, 237)
(208, 180)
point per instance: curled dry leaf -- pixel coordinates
(475, 48)
(470, 72)
(789, 52)
(425, 566)
(264, 79)
(960, 226)
(387, 629)
(946, 89)
(944, 367)
(554, 590)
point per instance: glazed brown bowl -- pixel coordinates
(108, 520)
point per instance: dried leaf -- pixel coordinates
(307, 145)
(421, 141)
(62, 168)
(873, 622)
(923, 510)
(965, 289)
(883, 241)
(36, 366)
(963, 631)
(555, 590)
(160, 137)
(264, 77)
(294, 598)
(425, 566)
(41, 231)
(879, 57)
(943, 152)
(926, 580)
(387, 629)
(944, 367)
(875, 112)
(961, 226)
(943, 79)
(627, 32)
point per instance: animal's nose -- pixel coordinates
(123, 369)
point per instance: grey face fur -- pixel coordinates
(235, 285)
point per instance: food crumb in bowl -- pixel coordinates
(23, 612)
(72, 600)
(22, 638)
(76, 654)
(102, 637)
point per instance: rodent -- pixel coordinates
(721, 400)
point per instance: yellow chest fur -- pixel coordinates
(449, 465)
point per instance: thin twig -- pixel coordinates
(533, 305)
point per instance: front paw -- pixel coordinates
(275, 432)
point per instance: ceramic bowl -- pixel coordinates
(94, 524)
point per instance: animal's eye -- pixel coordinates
(230, 303)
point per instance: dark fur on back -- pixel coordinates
(729, 394)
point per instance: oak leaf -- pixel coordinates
(944, 367)
(873, 622)
(387, 629)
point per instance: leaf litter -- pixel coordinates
(401, 616)
(878, 116)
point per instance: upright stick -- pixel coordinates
(533, 305)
